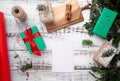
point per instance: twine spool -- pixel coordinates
(19, 13)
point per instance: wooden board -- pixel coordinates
(59, 16)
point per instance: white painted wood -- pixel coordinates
(82, 60)
(82, 75)
(42, 65)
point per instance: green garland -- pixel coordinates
(97, 6)
(112, 73)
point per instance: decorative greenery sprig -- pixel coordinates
(111, 74)
(26, 67)
(87, 42)
(108, 53)
(41, 7)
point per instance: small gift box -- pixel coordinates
(105, 54)
(104, 22)
(45, 12)
(33, 40)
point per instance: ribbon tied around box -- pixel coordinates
(33, 40)
(29, 38)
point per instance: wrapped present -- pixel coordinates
(33, 40)
(104, 22)
(45, 12)
(105, 54)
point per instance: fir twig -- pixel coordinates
(87, 42)
(108, 53)
(26, 67)
(97, 69)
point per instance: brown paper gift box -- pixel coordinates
(104, 61)
(46, 16)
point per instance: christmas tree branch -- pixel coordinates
(112, 73)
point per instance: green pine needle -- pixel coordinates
(41, 7)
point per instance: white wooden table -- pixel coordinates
(75, 33)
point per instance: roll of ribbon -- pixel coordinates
(4, 62)
(19, 13)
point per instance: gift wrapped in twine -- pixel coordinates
(45, 12)
(99, 58)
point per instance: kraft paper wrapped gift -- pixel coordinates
(33, 40)
(46, 12)
(104, 61)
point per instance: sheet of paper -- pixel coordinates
(63, 56)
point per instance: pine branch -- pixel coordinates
(87, 42)
(97, 70)
(41, 7)
(26, 67)
(108, 74)
(108, 53)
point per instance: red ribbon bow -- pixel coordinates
(29, 38)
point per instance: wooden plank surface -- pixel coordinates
(81, 75)
(75, 33)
